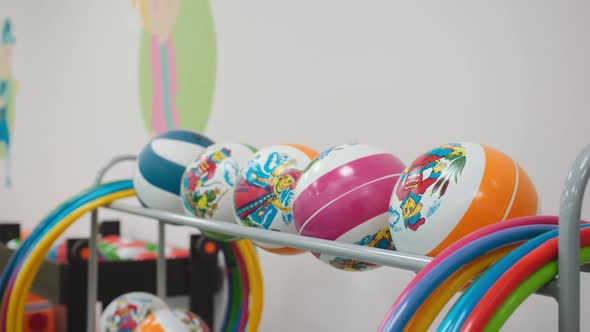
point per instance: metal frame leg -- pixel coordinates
(161, 262)
(569, 243)
(92, 285)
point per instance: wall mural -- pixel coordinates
(177, 64)
(8, 88)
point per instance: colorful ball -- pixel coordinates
(58, 252)
(263, 195)
(192, 321)
(14, 244)
(115, 248)
(454, 190)
(207, 184)
(161, 321)
(344, 195)
(128, 310)
(170, 252)
(160, 166)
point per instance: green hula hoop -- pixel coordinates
(537, 280)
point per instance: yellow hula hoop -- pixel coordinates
(256, 284)
(22, 285)
(259, 306)
(436, 301)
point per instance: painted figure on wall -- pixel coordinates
(8, 86)
(177, 64)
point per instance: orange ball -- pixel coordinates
(161, 321)
(454, 190)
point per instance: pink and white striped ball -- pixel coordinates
(343, 195)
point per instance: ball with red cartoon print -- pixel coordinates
(263, 195)
(207, 183)
(127, 311)
(343, 195)
(453, 190)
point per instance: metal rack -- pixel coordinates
(566, 289)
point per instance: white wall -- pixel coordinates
(406, 76)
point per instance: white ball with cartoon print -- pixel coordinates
(207, 184)
(263, 196)
(129, 310)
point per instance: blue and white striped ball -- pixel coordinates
(160, 166)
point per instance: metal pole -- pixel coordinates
(92, 281)
(92, 278)
(161, 262)
(569, 243)
(379, 256)
(339, 249)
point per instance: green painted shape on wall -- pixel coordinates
(195, 50)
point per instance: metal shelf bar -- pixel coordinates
(389, 258)
(569, 242)
(378, 256)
